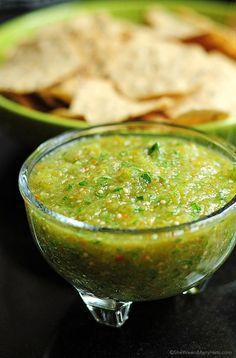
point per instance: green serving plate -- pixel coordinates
(33, 127)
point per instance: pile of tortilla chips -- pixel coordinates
(179, 66)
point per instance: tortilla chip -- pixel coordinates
(148, 70)
(98, 102)
(168, 24)
(196, 117)
(86, 44)
(39, 64)
(212, 35)
(217, 93)
(109, 70)
(98, 38)
(191, 27)
(155, 116)
(99, 23)
(222, 41)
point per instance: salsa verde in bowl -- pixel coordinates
(131, 212)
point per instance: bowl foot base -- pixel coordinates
(195, 290)
(105, 310)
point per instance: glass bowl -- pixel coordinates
(111, 268)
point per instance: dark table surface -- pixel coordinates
(42, 316)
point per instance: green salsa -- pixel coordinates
(134, 181)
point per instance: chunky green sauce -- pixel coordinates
(134, 181)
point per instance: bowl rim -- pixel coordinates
(63, 139)
(54, 120)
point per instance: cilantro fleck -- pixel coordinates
(195, 208)
(140, 197)
(83, 183)
(105, 177)
(69, 187)
(188, 262)
(117, 190)
(138, 210)
(155, 148)
(146, 177)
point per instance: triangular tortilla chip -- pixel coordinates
(150, 69)
(191, 27)
(196, 117)
(99, 38)
(98, 102)
(217, 92)
(39, 64)
(169, 24)
(214, 36)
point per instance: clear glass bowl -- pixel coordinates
(113, 267)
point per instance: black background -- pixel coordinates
(42, 316)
